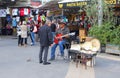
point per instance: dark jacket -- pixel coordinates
(31, 28)
(45, 35)
(53, 27)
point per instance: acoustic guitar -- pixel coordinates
(59, 37)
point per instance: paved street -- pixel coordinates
(14, 64)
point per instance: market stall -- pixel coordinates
(75, 12)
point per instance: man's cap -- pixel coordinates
(62, 22)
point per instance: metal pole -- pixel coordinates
(62, 12)
(100, 12)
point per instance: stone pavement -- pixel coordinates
(14, 64)
(107, 66)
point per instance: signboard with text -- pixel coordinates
(111, 1)
(72, 4)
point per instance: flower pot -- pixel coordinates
(103, 48)
(113, 49)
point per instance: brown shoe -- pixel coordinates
(25, 45)
(19, 45)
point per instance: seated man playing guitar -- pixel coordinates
(62, 34)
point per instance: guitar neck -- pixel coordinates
(65, 35)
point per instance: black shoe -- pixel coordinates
(41, 62)
(46, 63)
(51, 59)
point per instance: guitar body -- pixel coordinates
(56, 39)
(60, 36)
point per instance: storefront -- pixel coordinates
(115, 6)
(23, 10)
(75, 9)
(76, 14)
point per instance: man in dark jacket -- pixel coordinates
(46, 40)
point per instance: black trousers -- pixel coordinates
(23, 41)
(19, 39)
(45, 50)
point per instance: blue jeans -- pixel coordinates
(53, 33)
(32, 36)
(53, 48)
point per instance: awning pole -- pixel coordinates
(62, 12)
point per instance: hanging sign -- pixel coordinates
(72, 4)
(111, 1)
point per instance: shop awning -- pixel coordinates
(53, 4)
(67, 1)
(27, 3)
(22, 3)
(72, 3)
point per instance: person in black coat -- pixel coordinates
(46, 39)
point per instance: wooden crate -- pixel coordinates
(82, 35)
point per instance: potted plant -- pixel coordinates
(107, 34)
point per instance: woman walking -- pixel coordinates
(24, 34)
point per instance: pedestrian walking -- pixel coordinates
(37, 26)
(19, 33)
(24, 33)
(33, 29)
(46, 40)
